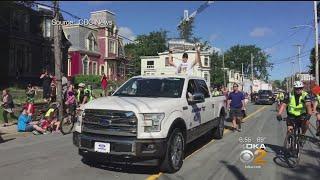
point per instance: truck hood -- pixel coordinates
(135, 104)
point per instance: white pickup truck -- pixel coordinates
(149, 120)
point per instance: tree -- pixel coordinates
(145, 45)
(276, 84)
(242, 54)
(186, 29)
(312, 61)
(216, 71)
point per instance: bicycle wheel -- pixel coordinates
(67, 124)
(289, 144)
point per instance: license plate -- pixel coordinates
(102, 147)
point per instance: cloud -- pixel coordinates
(126, 32)
(213, 37)
(260, 32)
(270, 50)
(215, 49)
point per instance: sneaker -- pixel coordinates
(46, 132)
(35, 132)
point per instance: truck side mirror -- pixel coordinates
(196, 98)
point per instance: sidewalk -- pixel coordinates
(10, 132)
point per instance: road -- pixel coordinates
(51, 157)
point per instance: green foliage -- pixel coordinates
(276, 84)
(186, 29)
(312, 61)
(145, 45)
(241, 54)
(216, 72)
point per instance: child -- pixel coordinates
(50, 120)
(26, 125)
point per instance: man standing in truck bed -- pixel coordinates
(185, 67)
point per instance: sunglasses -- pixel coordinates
(235, 86)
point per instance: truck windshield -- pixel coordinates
(152, 87)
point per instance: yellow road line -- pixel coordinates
(156, 176)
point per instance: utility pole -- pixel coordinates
(292, 77)
(316, 39)
(242, 75)
(299, 51)
(252, 68)
(224, 73)
(58, 57)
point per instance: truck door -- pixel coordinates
(194, 110)
(207, 106)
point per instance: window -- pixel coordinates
(91, 42)
(167, 62)
(94, 68)
(152, 87)
(112, 47)
(69, 66)
(101, 69)
(47, 28)
(85, 66)
(150, 64)
(206, 62)
(203, 88)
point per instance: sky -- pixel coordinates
(224, 24)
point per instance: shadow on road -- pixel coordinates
(3, 141)
(281, 156)
(234, 170)
(124, 168)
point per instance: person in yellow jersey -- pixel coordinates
(83, 94)
(215, 92)
(298, 105)
(317, 111)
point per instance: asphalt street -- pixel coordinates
(53, 156)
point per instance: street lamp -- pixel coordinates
(315, 28)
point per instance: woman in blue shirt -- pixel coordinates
(26, 125)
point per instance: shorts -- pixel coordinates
(299, 120)
(29, 128)
(236, 112)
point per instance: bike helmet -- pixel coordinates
(298, 84)
(81, 85)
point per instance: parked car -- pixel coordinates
(149, 120)
(265, 97)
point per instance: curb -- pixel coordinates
(6, 137)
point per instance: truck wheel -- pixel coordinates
(218, 131)
(175, 152)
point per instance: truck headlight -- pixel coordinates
(80, 114)
(152, 122)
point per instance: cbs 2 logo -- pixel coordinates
(246, 156)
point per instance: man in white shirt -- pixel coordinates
(185, 67)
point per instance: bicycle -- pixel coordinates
(68, 121)
(293, 141)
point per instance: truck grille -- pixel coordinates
(110, 122)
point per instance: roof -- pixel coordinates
(93, 12)
(169, 76)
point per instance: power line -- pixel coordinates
(281, 40)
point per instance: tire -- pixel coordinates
(175, 147)
(218, 131)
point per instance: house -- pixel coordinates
(96, 49)
(27, 44)
(159, 65)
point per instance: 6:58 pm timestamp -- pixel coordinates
(252, 140)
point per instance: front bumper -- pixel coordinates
(122, 149)
(264, 101)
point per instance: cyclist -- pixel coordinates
(279, 99)
(215, 92)
(83, 95)
(298, 105)
(316, 108)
